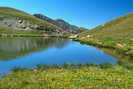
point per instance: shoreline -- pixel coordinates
(70, 77)
(120, 51)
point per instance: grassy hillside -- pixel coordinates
(25, 19)
(117, 34)
(117, 29)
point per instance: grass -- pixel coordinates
(118, 29)
(125, 51)
(7, 32)
(116, 34)
(70, 77)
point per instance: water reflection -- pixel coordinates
(12, 48)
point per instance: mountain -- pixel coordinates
(61, 23)
(13, 19)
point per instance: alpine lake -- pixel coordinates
(30, 52)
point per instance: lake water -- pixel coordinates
(29, 52)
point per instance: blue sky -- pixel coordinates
(85, 13)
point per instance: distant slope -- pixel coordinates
(116, 34)
(60, 23)
(11, 18)
(121, 29)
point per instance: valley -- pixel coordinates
(38, 52)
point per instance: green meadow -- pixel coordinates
(105, 76)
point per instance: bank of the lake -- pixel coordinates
(124, 49)
(23, 33)
(105, 76)
(10, 33)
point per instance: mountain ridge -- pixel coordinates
(61, 23)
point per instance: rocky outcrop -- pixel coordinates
(21, 24)
(89, 36)
(73, 36)
(18, 24)
(13, 19)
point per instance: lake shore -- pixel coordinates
(119, 48)
(70, 77)
(30, 35)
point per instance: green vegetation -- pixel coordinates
(105, 76)
(116, 34)
(6, 32)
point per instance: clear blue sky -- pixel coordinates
(85, 13)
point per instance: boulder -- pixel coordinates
(89, 36)
(120, 45)
(73, 36)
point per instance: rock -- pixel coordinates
(120, 45)
(27, 28)
(20, 21)
(131, 48)
(9, 25)
(103, 25)
(99, 43)
(21, 24)
(131, 39)
(89, 36)
(74, 36)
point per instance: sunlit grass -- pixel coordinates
(70, 77)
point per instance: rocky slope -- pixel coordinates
(61, 23)
(11, 18)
